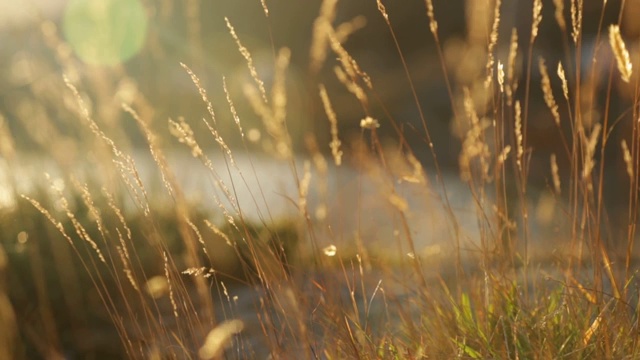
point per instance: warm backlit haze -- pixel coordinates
(198, 179)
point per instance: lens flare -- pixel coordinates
(106, 32)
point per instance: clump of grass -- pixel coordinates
(171, 278)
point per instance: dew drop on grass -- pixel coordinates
(330, 250)
(23, 236)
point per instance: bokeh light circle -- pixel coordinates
(105, 32)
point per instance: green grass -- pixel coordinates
(96, 261)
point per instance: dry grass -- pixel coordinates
(540, 276)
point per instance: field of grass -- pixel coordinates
(519, 246)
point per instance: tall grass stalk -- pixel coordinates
(544, 273)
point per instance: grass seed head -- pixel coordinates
(548, 92)
(620, 51)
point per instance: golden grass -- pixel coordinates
(620, 52)
(539, 277)
(333, 120)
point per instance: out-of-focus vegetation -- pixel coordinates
(448, 179)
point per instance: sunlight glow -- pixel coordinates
(105, 32)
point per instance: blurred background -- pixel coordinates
(130, 52)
